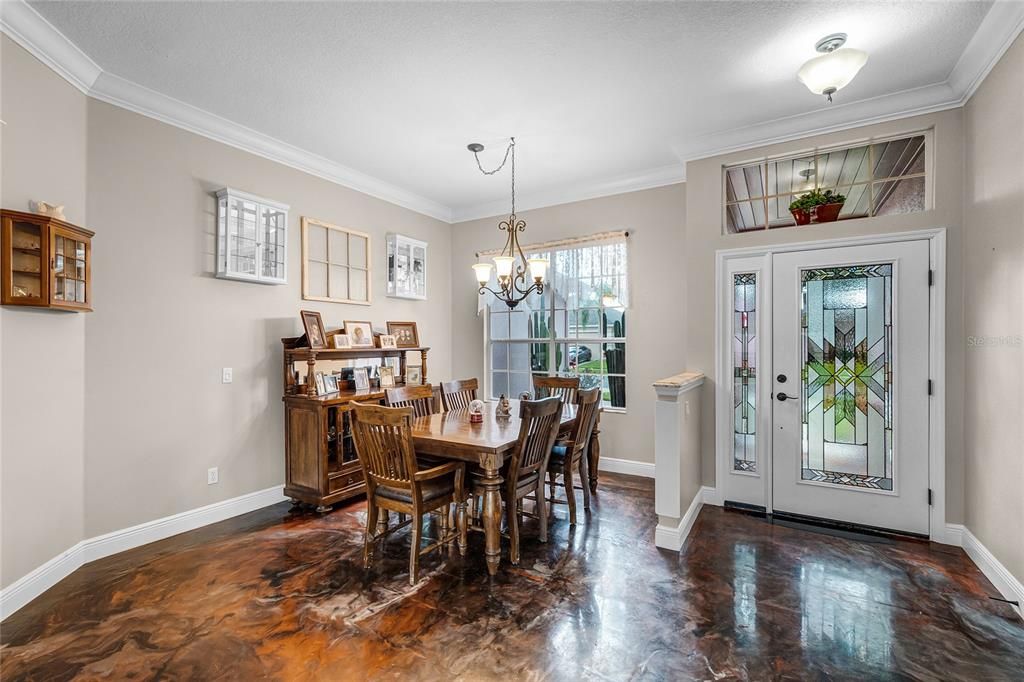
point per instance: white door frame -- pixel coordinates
(723, 381)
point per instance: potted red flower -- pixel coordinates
(822, 207)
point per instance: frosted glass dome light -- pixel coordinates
(834, 69)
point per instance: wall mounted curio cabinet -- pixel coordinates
(252, 238)
(46, 262)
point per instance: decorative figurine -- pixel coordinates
(476, 412)
(503, 410)
(526, 395)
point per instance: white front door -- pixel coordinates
(849, 384)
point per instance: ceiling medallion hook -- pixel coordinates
(511, 264)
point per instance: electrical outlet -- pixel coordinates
(212, 476)
(225, 376)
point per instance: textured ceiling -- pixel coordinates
(592, 91)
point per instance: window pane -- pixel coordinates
(499, 356)
(519, 325)
(586, 359)
(614, 391)
(357, 251)
(499, 325)
(358, 288)
(615, 358)
(587, 323)
(778, 211)
(615, 322)
(519, 357)
(338, 242)
(317, 279)
(499, 384)
(790, 176)
(858, 202)
(744, 361)
(539, 360)
(745, 216)
(899, 196)
(316, 246)
(897, 157)
(518, 383)
(847, 391)
(338, 285)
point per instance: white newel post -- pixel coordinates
(677, 477)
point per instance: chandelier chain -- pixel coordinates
(510, 149)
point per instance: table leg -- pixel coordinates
(491, 464)
(594, 454)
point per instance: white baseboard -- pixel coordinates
(998, 575)
(711, 496)
(953, 534)
(673, 537)
(30, 586)
(626, 466)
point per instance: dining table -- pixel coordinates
(487, 444)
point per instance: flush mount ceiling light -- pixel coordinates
(834, 69)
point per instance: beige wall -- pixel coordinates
(42, 366)
(994, 307)
(157, 414)
(704, 237)
(655, 346)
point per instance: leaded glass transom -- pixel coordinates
(847, 376)
(744, 343)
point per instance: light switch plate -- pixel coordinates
(226, 376)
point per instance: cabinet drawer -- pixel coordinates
(345, 479)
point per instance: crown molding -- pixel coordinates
(657, 177)
(997, 31)
(1000, 27)
(41, 39)
(44, 42)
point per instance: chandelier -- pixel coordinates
(510, 264)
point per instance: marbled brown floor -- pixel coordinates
(276, 595)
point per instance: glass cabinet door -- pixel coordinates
(28, 261)
(69, 258)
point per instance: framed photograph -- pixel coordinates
(341, 341)
(387, 377)
(321, 386)
(405, 333)
(388, 341)
(407, 267)
(360, 334)
(314, 326)
(413, 376)
(330, 383)
(361, 378)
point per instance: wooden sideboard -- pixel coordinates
(321, 468)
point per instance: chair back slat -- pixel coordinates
(457, 395)
(419, 398)
(384, 446)
(537, 433)
(563, 387)
(588, 404)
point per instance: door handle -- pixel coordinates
(782, 397)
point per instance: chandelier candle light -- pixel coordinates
(511, 264)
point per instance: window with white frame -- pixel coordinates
(577, 327)
(881, 177)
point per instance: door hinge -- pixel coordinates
(931, 277)
(929, 497)
(929, 387)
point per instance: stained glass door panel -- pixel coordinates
(744, 349)
(849, 372)
(846, 400)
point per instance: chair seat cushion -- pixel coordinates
(431, 489)
(557, 458)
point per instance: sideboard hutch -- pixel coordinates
(321, 468)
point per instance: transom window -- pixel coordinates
(883, 177)
(577, 327)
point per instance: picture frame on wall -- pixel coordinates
(313, 325)
(406, 267)
(360, 334)
(406, 334)
(361, 378)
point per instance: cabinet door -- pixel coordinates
(70, 260)
(25, 262)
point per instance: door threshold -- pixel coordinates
(844, 526)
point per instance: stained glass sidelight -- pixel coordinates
(847, 376)
(744, 343)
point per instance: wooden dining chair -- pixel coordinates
(458, 394)
(394, 481)
(563, 387)
(573, 453)
(420, 398)
(538, 429)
